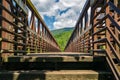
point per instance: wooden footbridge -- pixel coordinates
(28, 51)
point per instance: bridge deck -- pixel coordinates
(51, 57)
(54, 75)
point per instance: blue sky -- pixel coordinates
(59, 13)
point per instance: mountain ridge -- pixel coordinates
(62, 36)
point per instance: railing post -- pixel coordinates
(107, 25)
(80, 44)
(83, 43)
(42, 38)
(16, 31)
(95, 36)
(32, 34)
(25, 34)
(0, 37)
(117, 17)
(77, 35)
(45, 41)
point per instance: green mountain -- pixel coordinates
(62, 36)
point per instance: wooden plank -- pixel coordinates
(51, 57)
(55, 75)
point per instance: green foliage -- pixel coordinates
(62, 36)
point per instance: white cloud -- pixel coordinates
(45, 7)
(63, 23)
(51, 8)
(67, 19)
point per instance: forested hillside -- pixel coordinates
(62, 36)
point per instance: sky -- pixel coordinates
(59, 13)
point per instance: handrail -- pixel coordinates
(17, 36)
(81, 15)
(108, 4)
(112, 66)
(114, 7)
(29, 3)
(100, 34)
(109, 59)
(112, 21)
(114, 51)
(117, 26)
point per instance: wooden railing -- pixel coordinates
(22, 33)
(99, 35)
(81, 38)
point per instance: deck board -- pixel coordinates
(51, 57)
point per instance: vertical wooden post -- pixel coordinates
(107, 25)
(16, 31)
(95, 36)
(80, 44)
(116, 30)
(86, 20)
(32, 34)
(86, 26)
(45, 41)
(84, 43)
(78, 38)
(25, 35)
(38, 33)
(0, 37)
(42, 38)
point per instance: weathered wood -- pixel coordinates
(104, 32)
